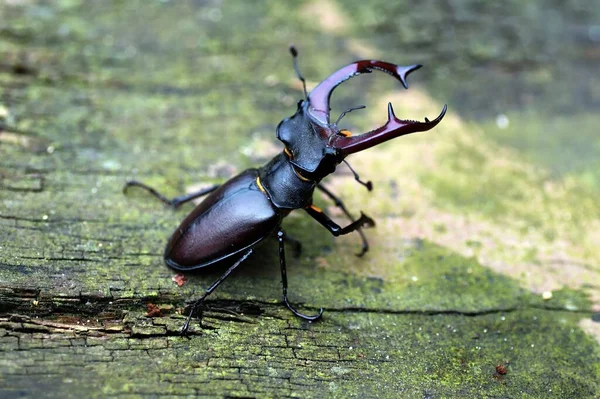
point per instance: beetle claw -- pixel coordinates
(302, 315)
(366, 221)
(363, 251)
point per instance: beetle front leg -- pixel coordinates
(281, 238)
(338, 202)
(333, 227)
(175, 202)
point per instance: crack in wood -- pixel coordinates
(142, 327)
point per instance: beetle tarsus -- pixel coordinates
(302, 315)
(335, 229)
(184, 329)
(338, 202)
(364, 250)
(365, 221)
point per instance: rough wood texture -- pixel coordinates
(183, 93)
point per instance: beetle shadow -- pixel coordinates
(259, 276)
(262, 263)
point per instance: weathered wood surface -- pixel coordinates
(470, 232)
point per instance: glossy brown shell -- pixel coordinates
(231, 219)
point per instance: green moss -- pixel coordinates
(504, 190)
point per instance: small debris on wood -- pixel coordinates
(179, 279)
(153, 310)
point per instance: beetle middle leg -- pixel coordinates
(211, 289)
(174, 202)
(281, 238)
(338, 202)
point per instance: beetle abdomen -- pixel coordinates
(234, 217)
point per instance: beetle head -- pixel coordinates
(307, 143)
(316, 146)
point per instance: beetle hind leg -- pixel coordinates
(281, 238)
(210, 289)
(174, 202)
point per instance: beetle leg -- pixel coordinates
(281, 238)
(338, 202)
(210, 289)
(175, 202)
(333, 227)
(295, 243)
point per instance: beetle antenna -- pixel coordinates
(368, 184)
(348, 111)
(295, 55)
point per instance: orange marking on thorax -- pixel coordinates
(316, 208)
(260, 186)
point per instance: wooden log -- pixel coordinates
(92, 94)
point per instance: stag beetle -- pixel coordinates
(236, 216)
